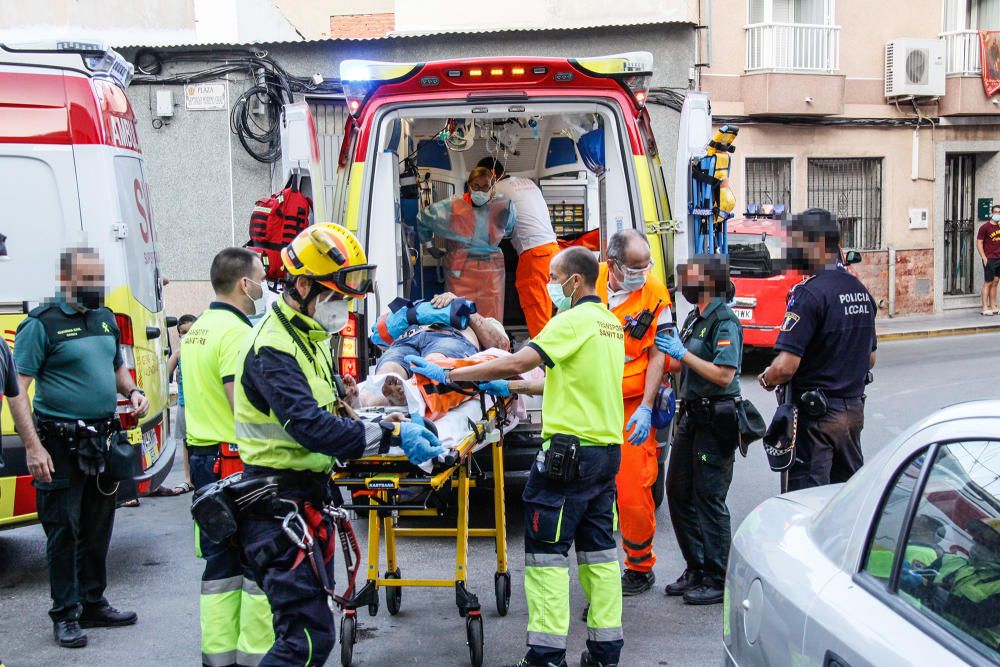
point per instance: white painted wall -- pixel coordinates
(424, 16)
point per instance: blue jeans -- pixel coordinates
(448, 342)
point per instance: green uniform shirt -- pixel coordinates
(584, 350)
(73, 357)
(716, 336)
(211, 354)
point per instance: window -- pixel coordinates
(769, 181)
(752, 255)
(949, 571)
(961, 23)
(792, 35)
(851, 189)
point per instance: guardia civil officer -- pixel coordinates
(70, 348)
(290, 429)
(701, 456)
(583, 350)
(235, 618)
(826, 348)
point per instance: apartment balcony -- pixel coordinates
(793, 47)
(790, 70)
(964, 94)
(962, 52)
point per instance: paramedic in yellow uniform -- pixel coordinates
(235, 616)
(583, 350)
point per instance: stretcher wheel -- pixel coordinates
(501, 585)
(373, 606)
(348, 633)
(393, 594)
(474, 636)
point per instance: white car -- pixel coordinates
(818, 578)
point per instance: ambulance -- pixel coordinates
(73, 174)
(578, 127)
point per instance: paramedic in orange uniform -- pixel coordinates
(629, 289)
(472, 227)
(533, 240)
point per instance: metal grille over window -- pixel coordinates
(792, 35)
(769, 181)
(851, 189)
(959, 222)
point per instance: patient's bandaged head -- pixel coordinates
(440, 398)
(478, 229)
(403, 314)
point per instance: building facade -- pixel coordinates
(903, 171)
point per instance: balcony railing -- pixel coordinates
(793, 47)
(962, 47)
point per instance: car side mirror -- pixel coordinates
(852, 257)
(171, 321)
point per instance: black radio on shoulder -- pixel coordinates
(562, 458)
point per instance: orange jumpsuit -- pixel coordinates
(637, 474)
(531, 281)
(473, 263)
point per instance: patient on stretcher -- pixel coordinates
(447, 325)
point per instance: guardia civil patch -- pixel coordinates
(791, 319)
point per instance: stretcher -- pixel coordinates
(396, 488)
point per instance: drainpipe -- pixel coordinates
(892, 280)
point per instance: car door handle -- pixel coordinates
(153, 332)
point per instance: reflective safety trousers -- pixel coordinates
(557, 514)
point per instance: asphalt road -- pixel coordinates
(152, 569)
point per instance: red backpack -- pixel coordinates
(275, 222)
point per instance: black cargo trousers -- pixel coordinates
(77, 512)
(698, 478)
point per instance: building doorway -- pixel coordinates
(959, 222)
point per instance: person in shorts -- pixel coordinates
(988, 247)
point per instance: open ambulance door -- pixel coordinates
(300, 156)
(659, 231)
(692, 139)
(383, 241)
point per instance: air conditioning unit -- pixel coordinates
(914, 68)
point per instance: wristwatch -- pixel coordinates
(135, 389)
(447, 375)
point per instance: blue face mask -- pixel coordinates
(479, 198)
(559, 299)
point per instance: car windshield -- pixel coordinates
(752, 255)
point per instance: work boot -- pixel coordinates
(707, 592)
(523, 662)
(68, 634)
(635, 582)
(587, 660)
(690, 579)
(106, 616)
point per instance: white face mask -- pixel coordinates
(479, 198)
(995, 217)
(332, 314)
(266, 297)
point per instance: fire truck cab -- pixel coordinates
(72, 166)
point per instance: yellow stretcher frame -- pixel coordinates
(383, 517)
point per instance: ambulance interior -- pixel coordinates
(573, 152)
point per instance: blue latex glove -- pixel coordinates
(428, 369)
(642, 420)
(418, 443)
(499, 388)
(668, 343)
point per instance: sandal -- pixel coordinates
(133, 502)
(175, 490)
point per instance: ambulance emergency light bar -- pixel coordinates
(97, 56)
(362, 78)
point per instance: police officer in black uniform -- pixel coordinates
(710, 350)
(70, 349)
(826, 348)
